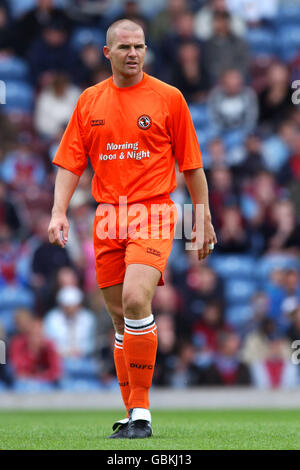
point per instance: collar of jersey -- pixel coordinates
(126, 88)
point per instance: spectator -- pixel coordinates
(254, 10)
(5, 373)
(186, 373)
(224, 50)
(202, 285)
(46, 260)
(257, 342)
(50, 53)
(8, 211)
(34, 359)
(90, 60)
(276, 370)
(31, 24)
(293, 332)
(233, 237)
(222, 193)
(55, 105)
(181, 34)
(71, 326)
(253, 162)
(165, 20)
(188, 73)
(275, 100)
(7, 40)
(204, 20)
(7, 135)
(166, 352)
(207, 329)
(227, 368)
(21, 167)
(232, 105)
(285, 231)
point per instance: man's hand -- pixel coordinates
(58, 230)
(209, 238)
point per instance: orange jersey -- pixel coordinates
(132, 137)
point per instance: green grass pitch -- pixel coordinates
(173, 429)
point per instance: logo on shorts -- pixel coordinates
(153, 252)
(97, 122)
(144, 122)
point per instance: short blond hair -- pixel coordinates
(122, 24)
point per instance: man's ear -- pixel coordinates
(106, 51)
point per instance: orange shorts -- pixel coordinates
(139, 233)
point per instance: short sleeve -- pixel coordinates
(71, 153)
(184, 139)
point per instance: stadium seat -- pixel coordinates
(14, 296)
(11, 298)
(13, 68)
(261, 42)
(234, 138)
(81, 368)
(32, 386)
(275, 153)
(288, 14)
(83, 36)
(233, 266)
(19, 97)
(19, 7)
(204, 135)
(80, 385)
(239, 291)
(270, 262)
(199, 115)
(238, 315)
(288, 42)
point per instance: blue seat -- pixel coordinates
(288, 42)
(204, 136)
(271, 262)
(239, 291)
(233, 266)
(261, 42)
(13, 68)
(234, 138)
(84, 36)
(288, 14)
(238, 315)
(81, 368)
(199, 115)
(12, 297)
(80, 385)
(19, 97)
(19, 7)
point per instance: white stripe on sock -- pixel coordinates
(144, 321)
(130, 332)
(119, 336)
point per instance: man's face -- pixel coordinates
(126, 52)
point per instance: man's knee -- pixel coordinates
(136, 302)
(116, 313)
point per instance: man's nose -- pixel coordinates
(132, 51)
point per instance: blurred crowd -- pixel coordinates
(233, 319)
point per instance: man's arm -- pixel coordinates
(65, 185)
(197, 186)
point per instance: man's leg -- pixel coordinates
(113, 299)
(140, 342)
